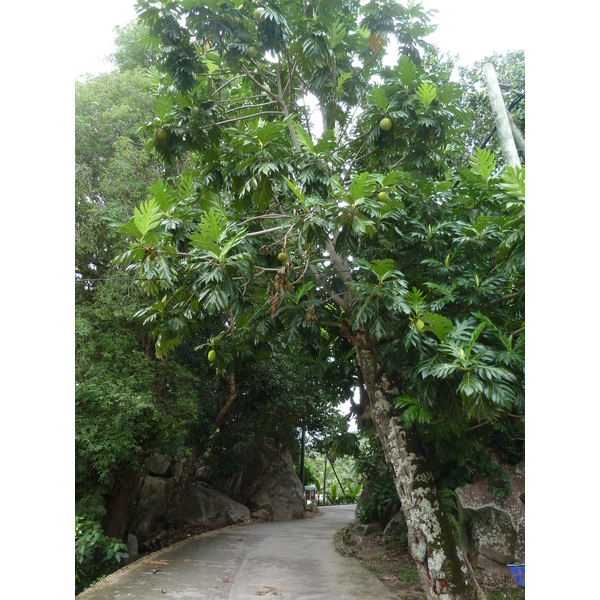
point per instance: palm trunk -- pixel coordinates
(443, 569)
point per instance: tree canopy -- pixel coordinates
(298, 219)
(366, 239)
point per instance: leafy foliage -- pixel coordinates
(430, 273)
(95, 554)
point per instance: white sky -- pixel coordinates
(470, 28)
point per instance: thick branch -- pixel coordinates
(225, 408)
(507, 142)
(265, 231)
(517, 135)
(248, 106)
(245, 117)
(503, 299)
(339, 299)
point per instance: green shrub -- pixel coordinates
(95, 554)
(382, 504)
(352, 492)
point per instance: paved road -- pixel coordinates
(294, 560)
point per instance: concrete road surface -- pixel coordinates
(291, 560)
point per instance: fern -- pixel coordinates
(210, 228)
(513, 183)
(164, 195)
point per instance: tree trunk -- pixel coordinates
(517, 135)
(192, 459)
(325, 480)
(443, 569)
(507, 141)
(302, 452)
(181, 485)
(119, 503)
(336, 476)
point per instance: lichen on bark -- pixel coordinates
(443, 569)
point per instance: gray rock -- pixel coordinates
(203, 473)
(202, 505)
(494, 527)
(159, 465)
(371, 552)
(260, 501)
(132, 547)
(152, 503)
(177, 469)
(285, 491)
(397, 525)
(362, 533)
(262, 515)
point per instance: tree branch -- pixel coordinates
(224, 85)
(265, 231)
(248, 106)
(507, 142)
(502, 299)
(259, 85)
(244, 118)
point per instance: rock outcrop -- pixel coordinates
(494, 528)
(267, 489)
(202, 505)
(284, 491)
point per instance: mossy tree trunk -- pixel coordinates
(444, 571)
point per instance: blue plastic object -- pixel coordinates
(518, 573)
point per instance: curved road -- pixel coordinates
(293, 560)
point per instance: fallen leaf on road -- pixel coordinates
(186, 560)
(268, 590)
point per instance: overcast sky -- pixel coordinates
(470, 28)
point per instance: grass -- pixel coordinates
(408, 573)
(507, 594)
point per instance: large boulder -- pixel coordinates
(260, 506)
(284, 490)
(280, 497)
(159, 465)
(241, 485)
(152, 503)
(206, 507)
(494, 528)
